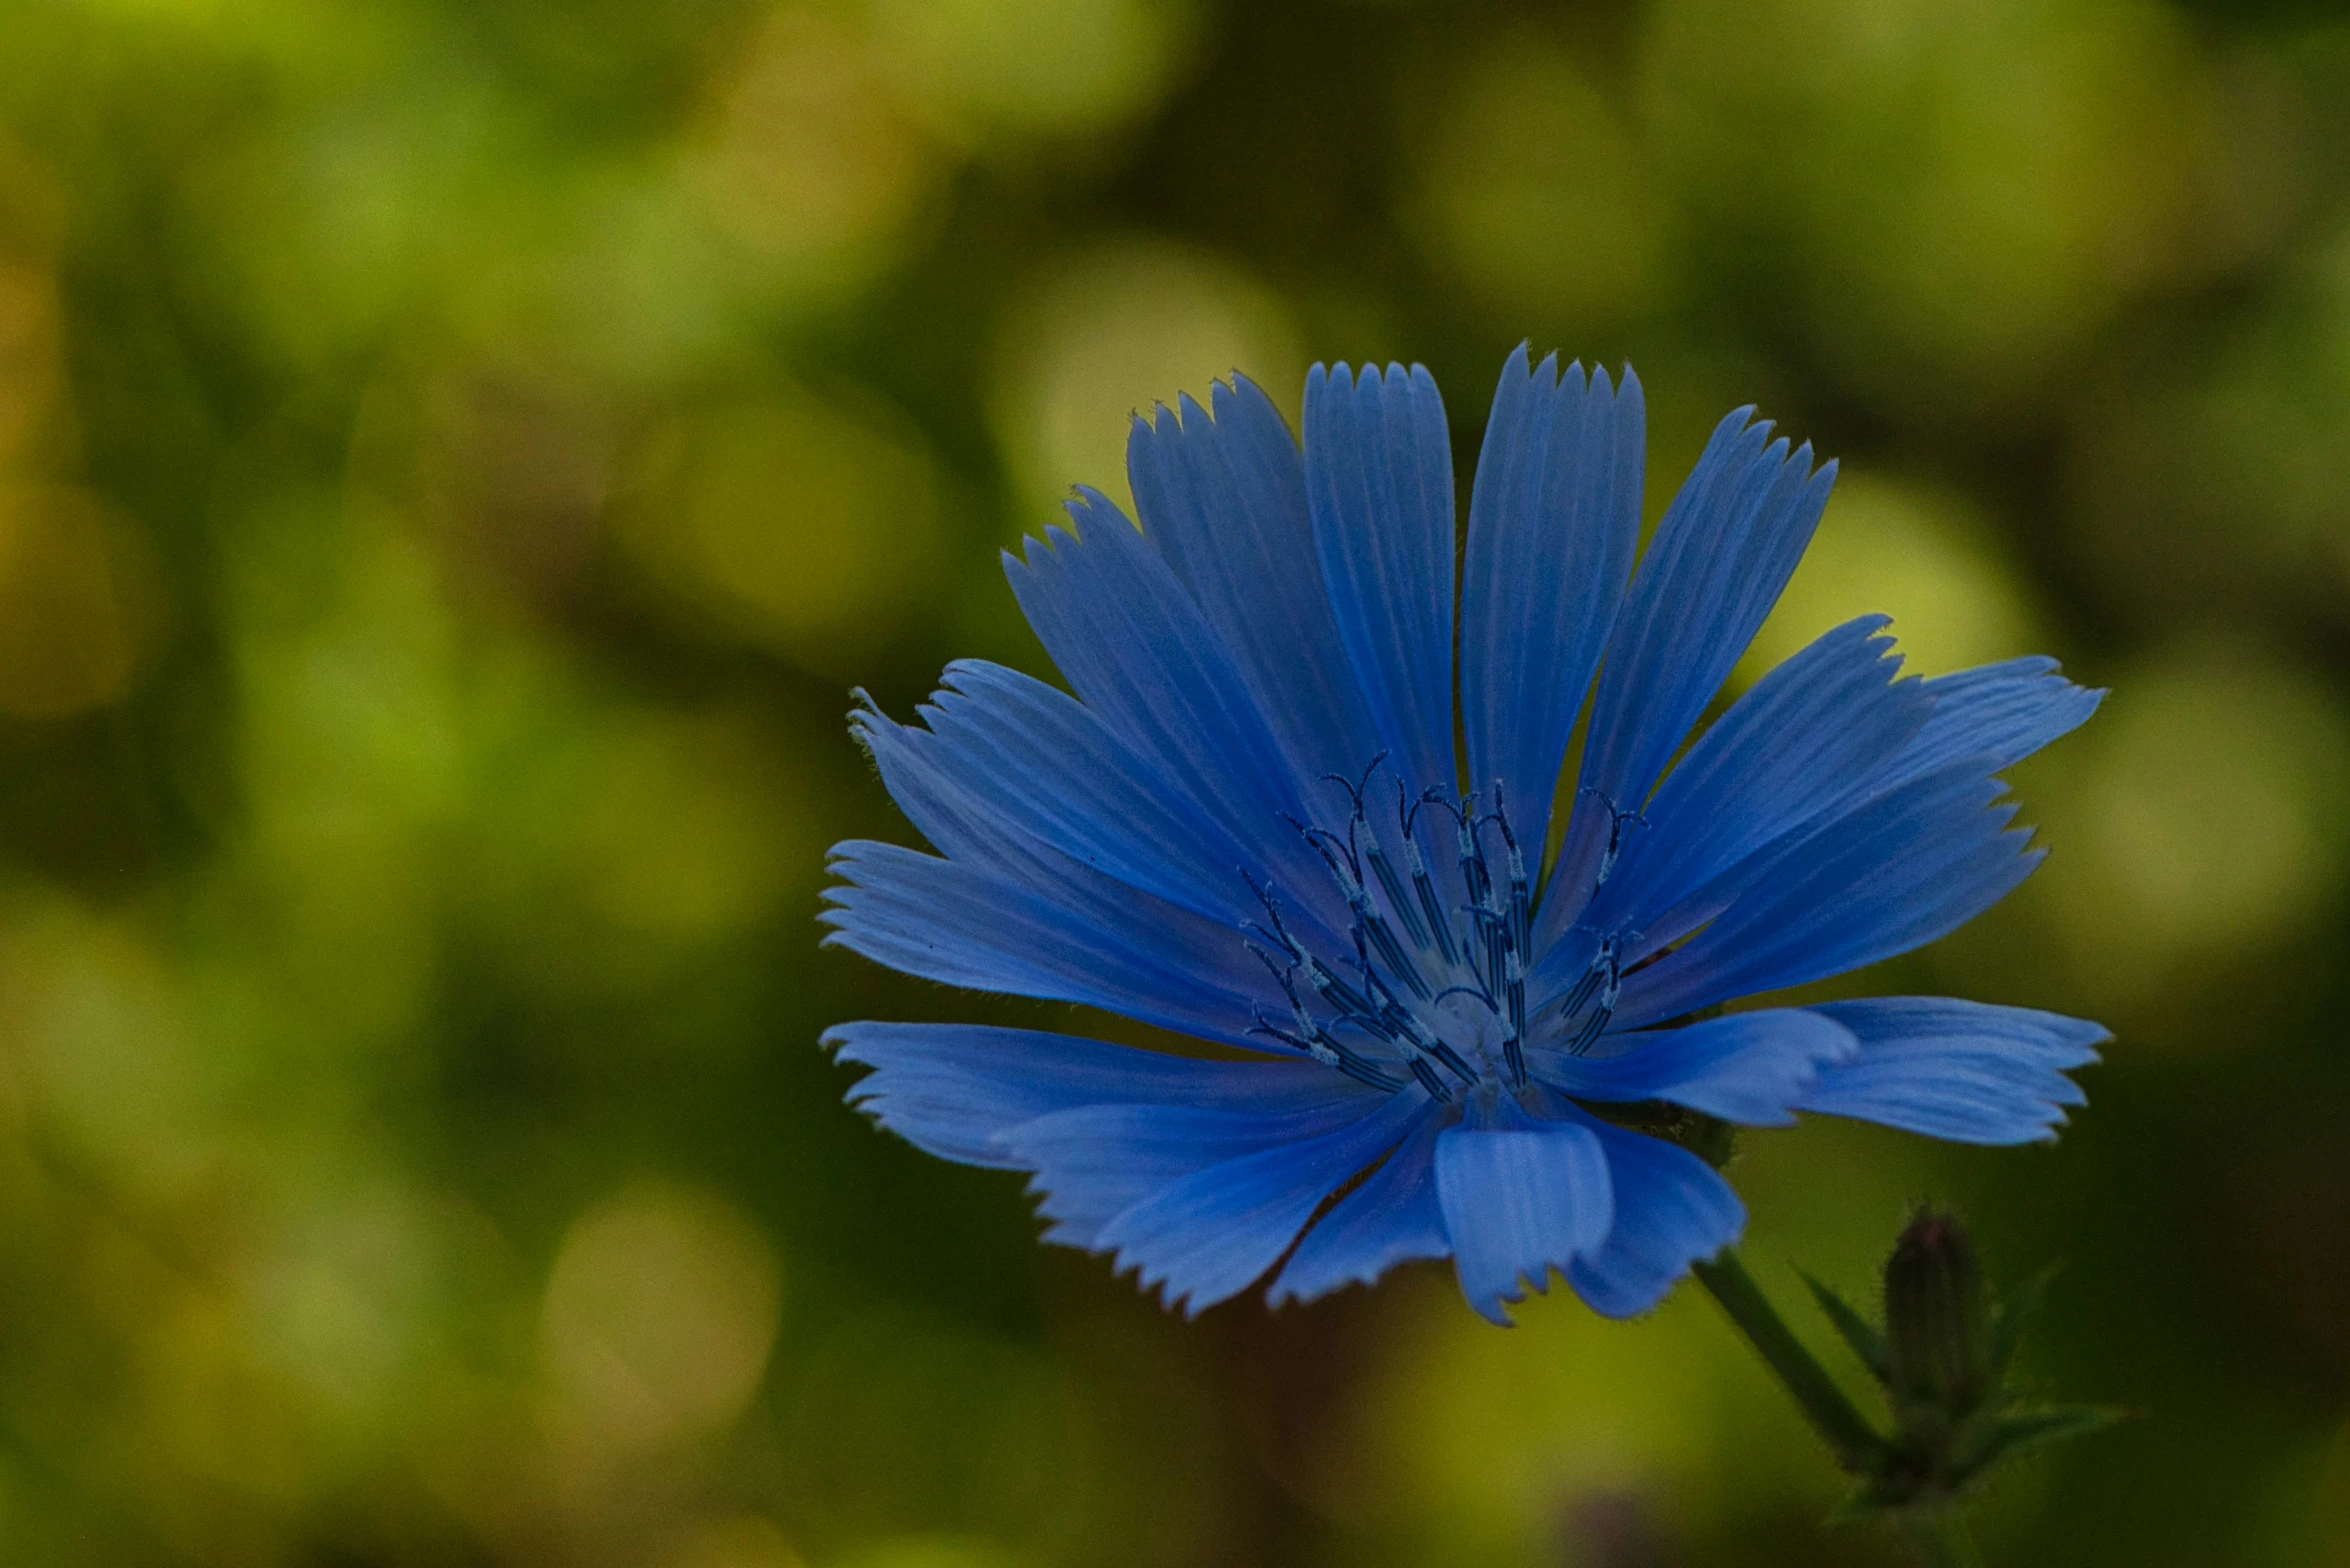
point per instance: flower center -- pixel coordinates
(1442, 930)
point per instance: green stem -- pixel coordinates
(1843, 1428)
(1939, 1538)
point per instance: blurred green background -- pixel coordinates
(456, 456)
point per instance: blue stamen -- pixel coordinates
(1610, 988)
(1429, 1081)
(1371, 925)
(1514, 991)
(1392, 885)
(1521, 886)
(1424, 885)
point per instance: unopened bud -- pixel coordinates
(1937, 1320)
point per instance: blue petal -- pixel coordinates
(1139, 655)
(1225, 502)
(1747, 1067)
(1392, 1218)
(1806, 739)
(1965, 1071)
(1379, 488)
(1093, 941)
(2000, 712)
(1726, 548)
(950, 1089)
(1094, 1162)
(1672, 1209)
(1208, 1236)
(1554, 518)
(1903, 869)
(1009, 763)
(1520, 1199)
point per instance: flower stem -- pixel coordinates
(1856, 1445)
(1939, 1538)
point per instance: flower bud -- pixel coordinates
(1937, 1320)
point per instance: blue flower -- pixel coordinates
(1250, 824)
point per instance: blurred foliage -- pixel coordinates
(455, 458)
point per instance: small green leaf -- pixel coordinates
(2024, 1430)
(2015, 1314)
(1896, 1491)
(1866, 1340)
(1865, 1502)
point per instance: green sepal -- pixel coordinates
(1869, 1500)
(1865, 1338)
(1857, 1505)
(2021, 1431)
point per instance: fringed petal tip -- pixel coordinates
(1968, 1072)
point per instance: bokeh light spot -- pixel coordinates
(1050, 67)
(80, 601)
(1536, 193)
(1920, 557)
(809, 526)
(99, 1048)
(1125, 328)
(2205, 815)
(658, 1318)
(719, 857)
(339, 1303)
(30, 357)
(806, 156)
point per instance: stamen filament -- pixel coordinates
(1373, 926)
(1392, 886)
(1424, 885)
